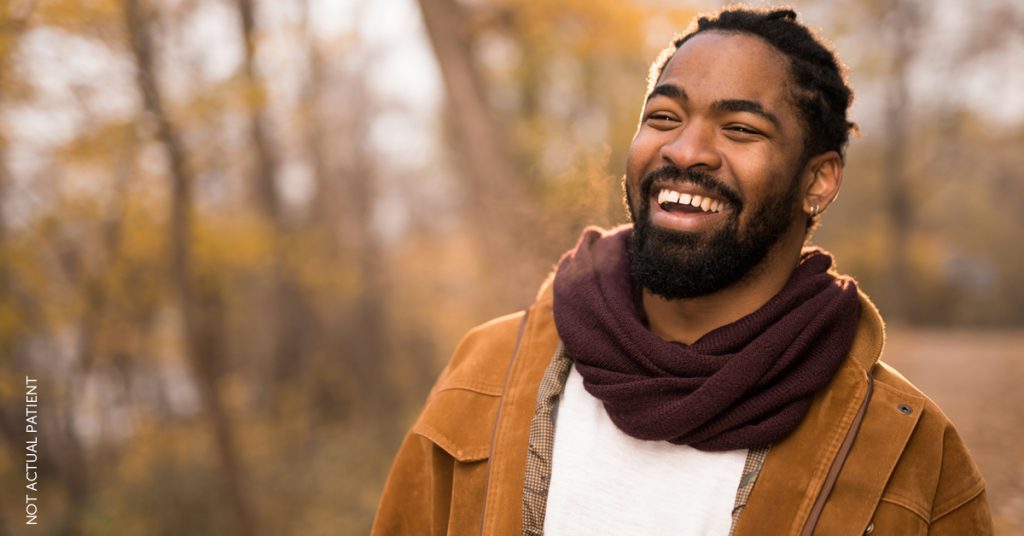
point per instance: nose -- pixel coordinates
(693, 146)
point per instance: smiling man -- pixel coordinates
(700, 371)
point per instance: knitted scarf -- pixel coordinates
(743, 385)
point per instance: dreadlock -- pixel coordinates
(821, 95)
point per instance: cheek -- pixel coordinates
(759, 173)
(638, 161)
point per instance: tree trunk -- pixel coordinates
(367, 350)
(323, 212)
(290, 313)
(265, 173)
(896, 183)
(201, 317)
(500, 204)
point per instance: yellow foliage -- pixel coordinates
(99, 144)
(588, 28)
(232, 242)
(86, 16)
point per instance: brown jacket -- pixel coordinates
(900, 470)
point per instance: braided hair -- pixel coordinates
(821, 93)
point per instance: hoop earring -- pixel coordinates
(815, 209)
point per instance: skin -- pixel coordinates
(723, 105)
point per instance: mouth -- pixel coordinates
(685, 207)
(673, 201)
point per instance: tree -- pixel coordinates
(201, 305)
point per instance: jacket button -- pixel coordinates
(870, 528)
(905, 409)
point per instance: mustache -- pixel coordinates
(677, 174)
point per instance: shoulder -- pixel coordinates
(935, 473)
(479, 360)
(932, 424)
(491, 359)
(463, 403)
(440, 474)
(934, 455)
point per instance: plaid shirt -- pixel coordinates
(542, 442)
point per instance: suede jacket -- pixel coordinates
(872, 456)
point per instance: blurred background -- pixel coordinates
(240, 238)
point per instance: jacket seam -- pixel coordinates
(959, 500)
(967, 497)
(820, 473)
(839, 460)
(906, 505)
(439, 438)
(804, 511)
(493, 470)
(476, 387)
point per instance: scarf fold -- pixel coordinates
(743, 385)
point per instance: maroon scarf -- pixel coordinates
(743, 385)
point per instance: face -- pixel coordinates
(713, 176)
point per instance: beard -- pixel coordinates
(676, 265)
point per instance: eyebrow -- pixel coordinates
(677, 93)
(671, 91)
(743, 105)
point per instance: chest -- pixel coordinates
(606, 482)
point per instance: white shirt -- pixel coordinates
(606, 482)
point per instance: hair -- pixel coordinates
(821, 94)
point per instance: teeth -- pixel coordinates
(697, 201)
(669, 196)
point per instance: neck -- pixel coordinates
(687, 320)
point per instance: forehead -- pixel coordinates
(716, 65)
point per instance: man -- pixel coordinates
(698, 372)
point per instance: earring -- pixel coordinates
(815, 209)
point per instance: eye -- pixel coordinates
(744, 131)
(661, 120)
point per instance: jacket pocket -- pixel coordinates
(892, 517)
(460, 420)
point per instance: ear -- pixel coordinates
(823, 175)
